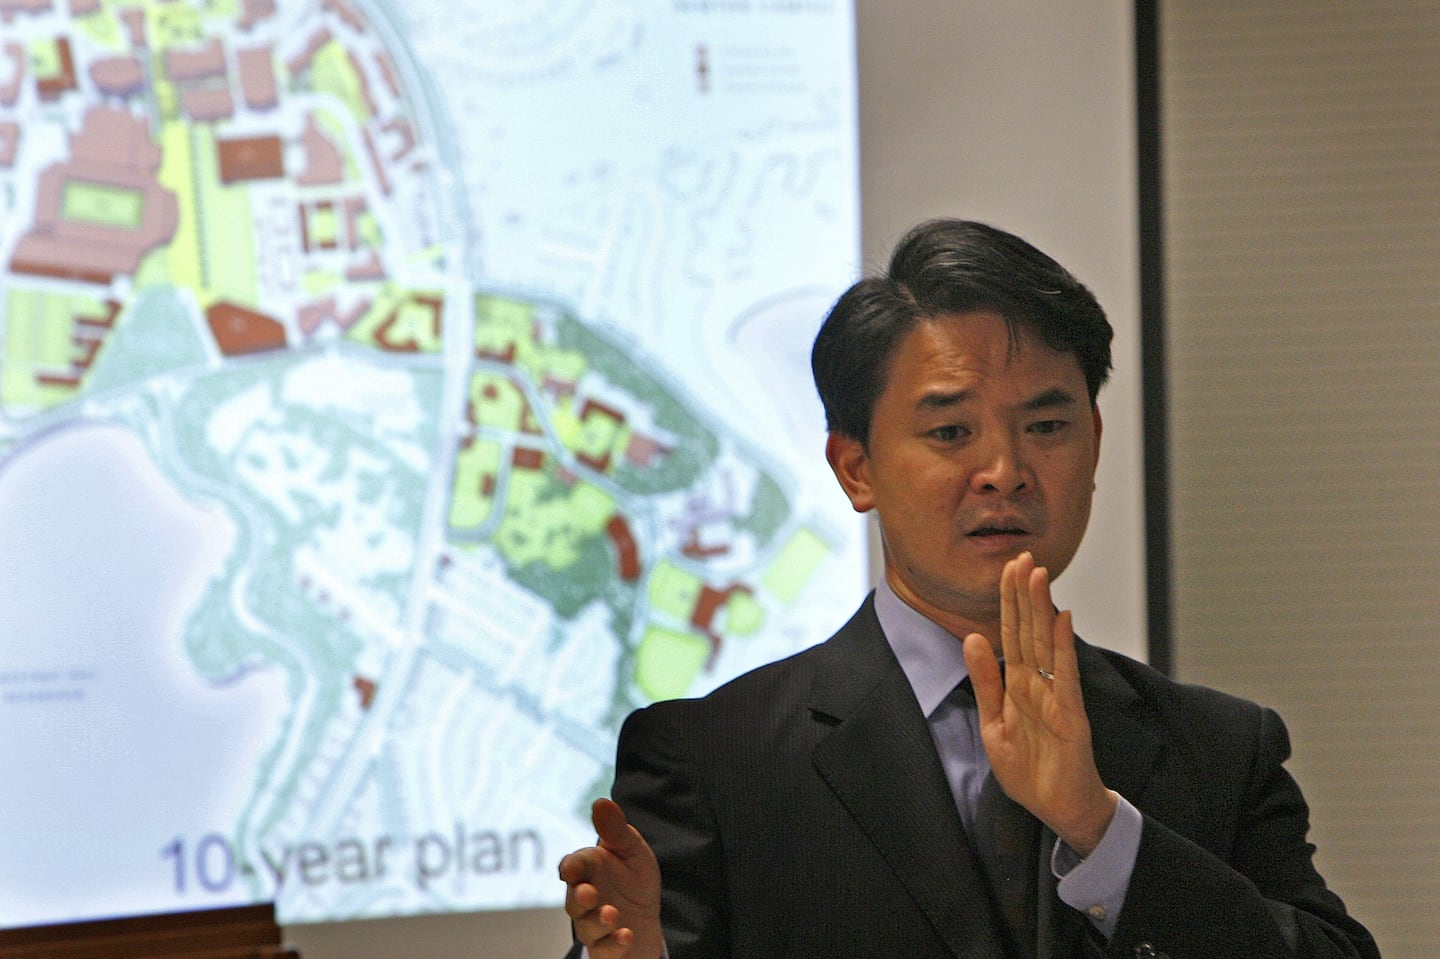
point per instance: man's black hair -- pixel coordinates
(945, 267)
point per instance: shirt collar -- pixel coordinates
(931, 658)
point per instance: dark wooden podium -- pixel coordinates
(242, 932)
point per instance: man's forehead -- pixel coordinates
(980, 330)
(962, 353)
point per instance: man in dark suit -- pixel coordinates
(953, 773)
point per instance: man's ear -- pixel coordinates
(1099, 428)
(851, 466)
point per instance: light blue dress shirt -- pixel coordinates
(934, 664)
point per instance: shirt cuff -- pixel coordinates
(1097, 884)
(664, 954)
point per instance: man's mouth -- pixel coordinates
(1000, 525)
(983, 531)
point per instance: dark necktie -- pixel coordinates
(1007, 840)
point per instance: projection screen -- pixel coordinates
(392, 397)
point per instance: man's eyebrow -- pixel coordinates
(941, 401)
(1049, 399)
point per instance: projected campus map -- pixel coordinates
(392, 397)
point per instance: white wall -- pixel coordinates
(1020, 114)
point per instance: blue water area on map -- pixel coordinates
(110, 745)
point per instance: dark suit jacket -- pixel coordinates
(801, 811)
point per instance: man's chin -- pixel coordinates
(961, 608)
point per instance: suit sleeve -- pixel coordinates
(659, 787)
(1256, 894)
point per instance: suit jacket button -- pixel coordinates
(1144, 951)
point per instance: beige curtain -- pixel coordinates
(1301, 171)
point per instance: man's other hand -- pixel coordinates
(613, 889)
(1033, 724)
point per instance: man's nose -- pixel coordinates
(1002, 468)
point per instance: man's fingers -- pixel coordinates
(622, 936)
(1010, 640)
(1041, 628)
(601, 933)
(1023, 587)
(613, 828)
(593, 919)
(613, 888)
(580, 901)
(985, 679)
(615, 836)
(1067, 666)
(574, 866)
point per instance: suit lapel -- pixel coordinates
(1127, 746)
(1126, 751)
(881, 764)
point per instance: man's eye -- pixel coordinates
(1047, 426)
(948, 434)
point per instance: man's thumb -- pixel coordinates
(612, 827)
